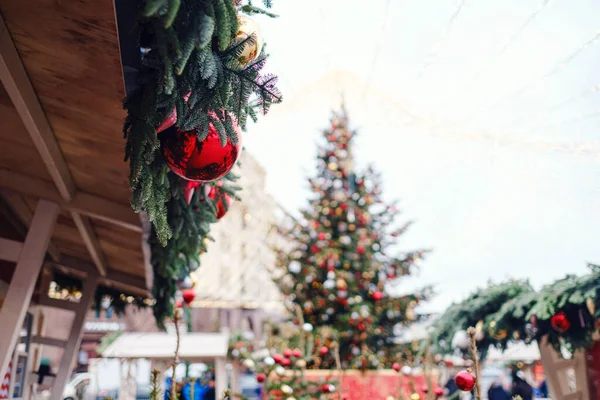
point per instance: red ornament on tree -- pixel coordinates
(188, 188)
(296, 353)
(377, 296)
(465, 381)
(360, 250)
(172, 118)
(278, 358)
(438, 391)
(328, 388)
(286, 362)
(559, 322)
(221, 211)
(321, 236)
(425, 389)
(188, 296)
(195, 160)
(323, 350)
(396, 367)
(178, 304)
(314, 248)
(260, 378)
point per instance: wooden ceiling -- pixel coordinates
(61, 134)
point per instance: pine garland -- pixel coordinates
(514, 311)
(188, 47)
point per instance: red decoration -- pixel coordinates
(286, 362)
(321, 236)
(323, 350)
(328, 388)
(296, 353)
(172, 118)
(314, 248)
(438, 391)
(287, 353)
(360, 250)
(559, 322)
(188, 296)
(178, 304)
(425, 389)
(396, 367)
(278, 358)
(221, 211)
(260, 378)
(465, 381)
(377, 296)
(195, 160)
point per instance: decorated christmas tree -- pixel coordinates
(344, 258)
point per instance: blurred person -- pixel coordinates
(497, 391)
(520, 387)
(210, 393)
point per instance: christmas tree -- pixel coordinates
(343, 261)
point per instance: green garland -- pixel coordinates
(514, 311)
(189, 46)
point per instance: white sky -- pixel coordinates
(486, 131)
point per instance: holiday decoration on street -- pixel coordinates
(188, 296)
(199, 160)
(564, 313)
(342, 263)
(201, 78)
(222, 200)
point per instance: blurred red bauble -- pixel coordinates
(286, 362)
(438, 391)
(188, 188)
(278, 358)
(360, 250)
(321, 236)
(287, 353)
(465, 381)
(323, 350)
(260, 378)
(328, 388)
(213, 194)
(314, 248)
(559, 322)
(188, 296)
(361, 327)
(195, 160)
(425, 389)
(396, 367)
(172, 118)
(178, 304)
(377, 296)
(296, 353)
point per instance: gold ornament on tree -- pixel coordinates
(246, 28)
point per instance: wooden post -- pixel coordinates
(24, 278)
(66, 364)
(220, 377)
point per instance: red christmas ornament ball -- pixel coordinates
(321, 236)
(213, 194)
(438, 391)
(360, 250)
(377, 296)
(314, 248)
(188, 296)
(287, 353)
(171, 118)
(465, 381)
(260, 378)
(396, 367)
(278, 358)
(178, 304)
(328, 388)
(425, 389)
(195, 160)
(296, 353)
(286, 362)
(323, 350)
(559, 322)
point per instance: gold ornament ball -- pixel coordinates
(415, 396)
(246, 28)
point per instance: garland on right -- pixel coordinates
(566, 312)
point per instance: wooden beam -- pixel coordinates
(24, 214)
(10, 250)
(84, 203)
(136, 285)
(56, 303)
(74, 341)
(91, 241)
(24, 279)
(48, 341)
(21, 91)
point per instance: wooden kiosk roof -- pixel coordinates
(61, 135)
